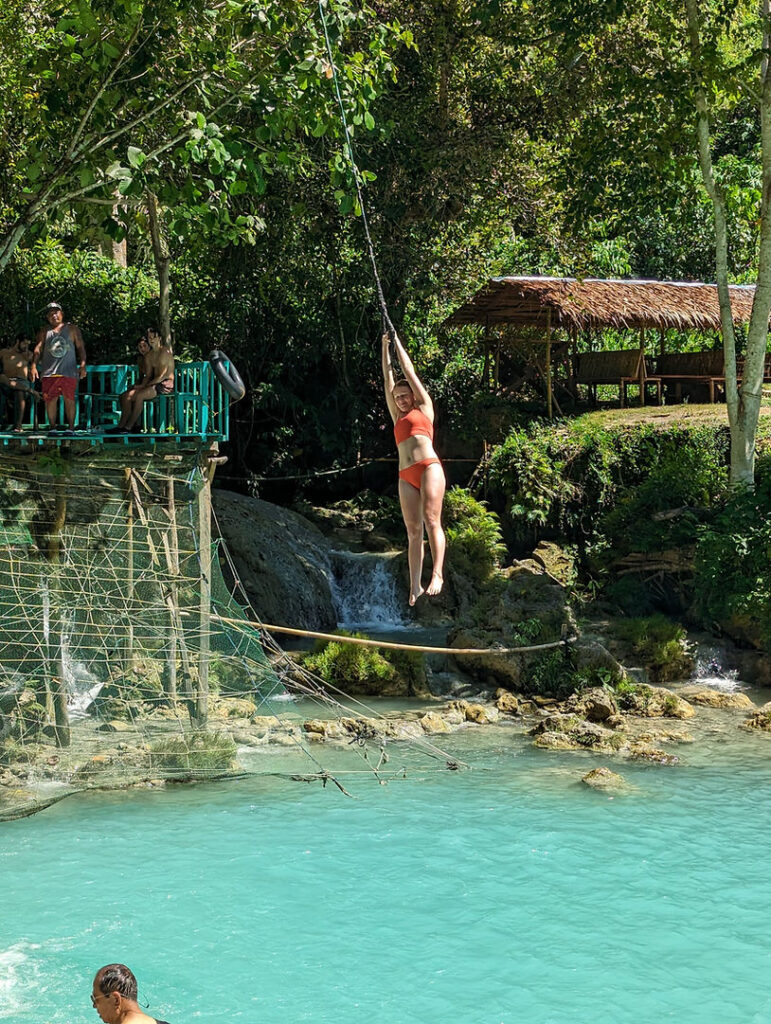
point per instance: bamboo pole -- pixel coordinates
(204, 539)
(128, 654)
(62, 736)
(170, 679)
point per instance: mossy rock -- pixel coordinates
(357, 669)
(195, 752)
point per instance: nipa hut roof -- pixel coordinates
(595, 303)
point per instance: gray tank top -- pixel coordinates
(59, 357)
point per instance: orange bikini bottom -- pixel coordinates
(414, 474)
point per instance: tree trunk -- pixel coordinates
(743, 401)
(162, 258)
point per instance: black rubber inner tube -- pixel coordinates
(227, 375)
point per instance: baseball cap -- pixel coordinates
(52, 305)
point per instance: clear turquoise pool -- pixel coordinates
(510, 894)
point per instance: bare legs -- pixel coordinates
(52, 411)
(131, 403)
(421, 507)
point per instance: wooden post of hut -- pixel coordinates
(549, 396)
(641, 368)
(204, 618)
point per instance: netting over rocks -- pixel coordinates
(124, 656)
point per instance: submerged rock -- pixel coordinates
(604, 778)
(761, 719)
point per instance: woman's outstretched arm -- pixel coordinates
(422, 397)
(388, 376)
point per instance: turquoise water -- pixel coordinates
(511, 893)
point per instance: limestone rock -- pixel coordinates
(431, 722)
(604, 778)
(716, 698)
(596, 705)
(574, 733)
(589, 654)
(506, 701)
(556, 561)
(480, 714)
(656, 702)
(761, 719)
(280, 558)
(652, 754)
(115, 725)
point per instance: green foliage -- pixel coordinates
(348, 665)
(660, 643)
(586, 482)
(354, 667)
(733, 562)
(474, 541)
(195, 752)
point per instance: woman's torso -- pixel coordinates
(417, 446)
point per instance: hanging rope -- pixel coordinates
(357, 178)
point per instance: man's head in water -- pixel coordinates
(403, 396)
(114, 993)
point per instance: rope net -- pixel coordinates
(125, 656)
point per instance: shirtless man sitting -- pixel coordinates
(158, 380)
(15, 377)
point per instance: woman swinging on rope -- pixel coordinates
(421, 477)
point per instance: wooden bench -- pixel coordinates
(692, 371)
(617, 368)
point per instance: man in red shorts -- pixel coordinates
(61, 356)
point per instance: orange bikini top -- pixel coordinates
(413, 423)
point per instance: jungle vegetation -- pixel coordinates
(182, 162)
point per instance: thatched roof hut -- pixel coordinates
(592, 303)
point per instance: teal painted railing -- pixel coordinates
(197, 408)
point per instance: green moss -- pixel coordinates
(355, 668)
(660, 643)
(195, 752)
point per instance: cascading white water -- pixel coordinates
(709, 670)
(364, 591)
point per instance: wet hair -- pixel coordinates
(117, 978)
(402, 383)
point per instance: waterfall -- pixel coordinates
(709, 669)
(364, 591)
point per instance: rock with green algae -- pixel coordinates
(596, 705)
(571, 732)
(654, 702)
(603, 778)
(760, 720)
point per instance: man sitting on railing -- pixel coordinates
(15, 383)
(158, 380)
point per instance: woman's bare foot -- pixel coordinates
(435, 586)
(415, 595)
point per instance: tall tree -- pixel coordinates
(103, 96)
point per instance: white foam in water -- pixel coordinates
(364, 591)
(14, 982)
(709, 672)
